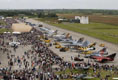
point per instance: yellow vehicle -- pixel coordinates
(87, 52)
(56, 43)
(47, 41)
(58, 46)
(102, 45)
(42, 37)
(64, 49)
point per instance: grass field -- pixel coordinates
(101, 31)
(107, 19)
(2, 30)
(90, 73)
(2, 22)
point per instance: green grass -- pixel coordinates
(103, 73)
(2, 30)
(2, 23)
(101, 31)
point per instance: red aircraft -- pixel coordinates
(103, 59)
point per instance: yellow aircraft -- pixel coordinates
(87, 50)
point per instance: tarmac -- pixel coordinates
(112, 48)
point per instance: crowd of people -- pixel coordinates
(7, 22)
(37, 63)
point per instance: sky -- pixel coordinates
(58, 4)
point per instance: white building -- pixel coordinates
(83, 19)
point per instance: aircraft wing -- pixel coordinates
(102, 60)
(67, 41)
(85, 44)
(76, 44)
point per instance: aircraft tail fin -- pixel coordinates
(67, 36)
(63, 33)
(70, 38)
(85, 44)
(80, 40)
(92, 45)
(102, 51)
(112, 56)
(56, 31)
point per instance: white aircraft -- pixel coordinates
(48, 32)
(43, 29)
(14, 43)
(61, 37)
(78, 43)
(71, 41)
(51, 33)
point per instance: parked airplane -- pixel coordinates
(98, 53)
(77, 43)
(83, 76)
(87, 49)
(103, 59)
(71, 41)
(50, 33)
(43, 29)
(86, 46)
(14, 43)
(61, 37)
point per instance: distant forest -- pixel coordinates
(84, 11)
(52, 12)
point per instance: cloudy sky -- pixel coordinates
(58, 4)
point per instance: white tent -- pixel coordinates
(21, 27)
(16, 32)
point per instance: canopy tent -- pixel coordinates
(7, 32)
(16, 32)
(21, 27)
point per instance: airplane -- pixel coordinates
(61, 37)
(71, 41)
(83, 76)
(50, 33)
(85, 46)
(43, 29)
(103, 59)
(84, 67)
(77, 43)
(14, 43)
(98, 53)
